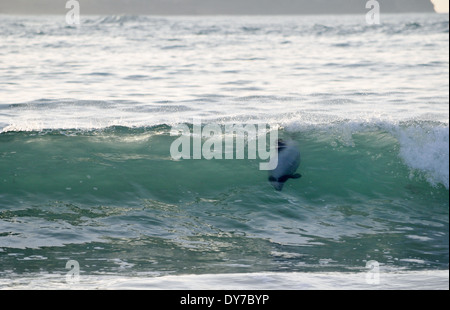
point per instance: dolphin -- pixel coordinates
(288, 162)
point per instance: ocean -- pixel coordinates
(90, 196)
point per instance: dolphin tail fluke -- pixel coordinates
(296, 176)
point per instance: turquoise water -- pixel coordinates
(86, 172)
(115, 201)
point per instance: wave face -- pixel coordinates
(118, 189)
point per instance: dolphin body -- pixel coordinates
(288, 162)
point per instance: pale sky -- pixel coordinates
(196, 7)
(441, 6)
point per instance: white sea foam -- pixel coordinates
(426, 149)
(424, 145)
(401, 280)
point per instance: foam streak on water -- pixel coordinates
(427, 280)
